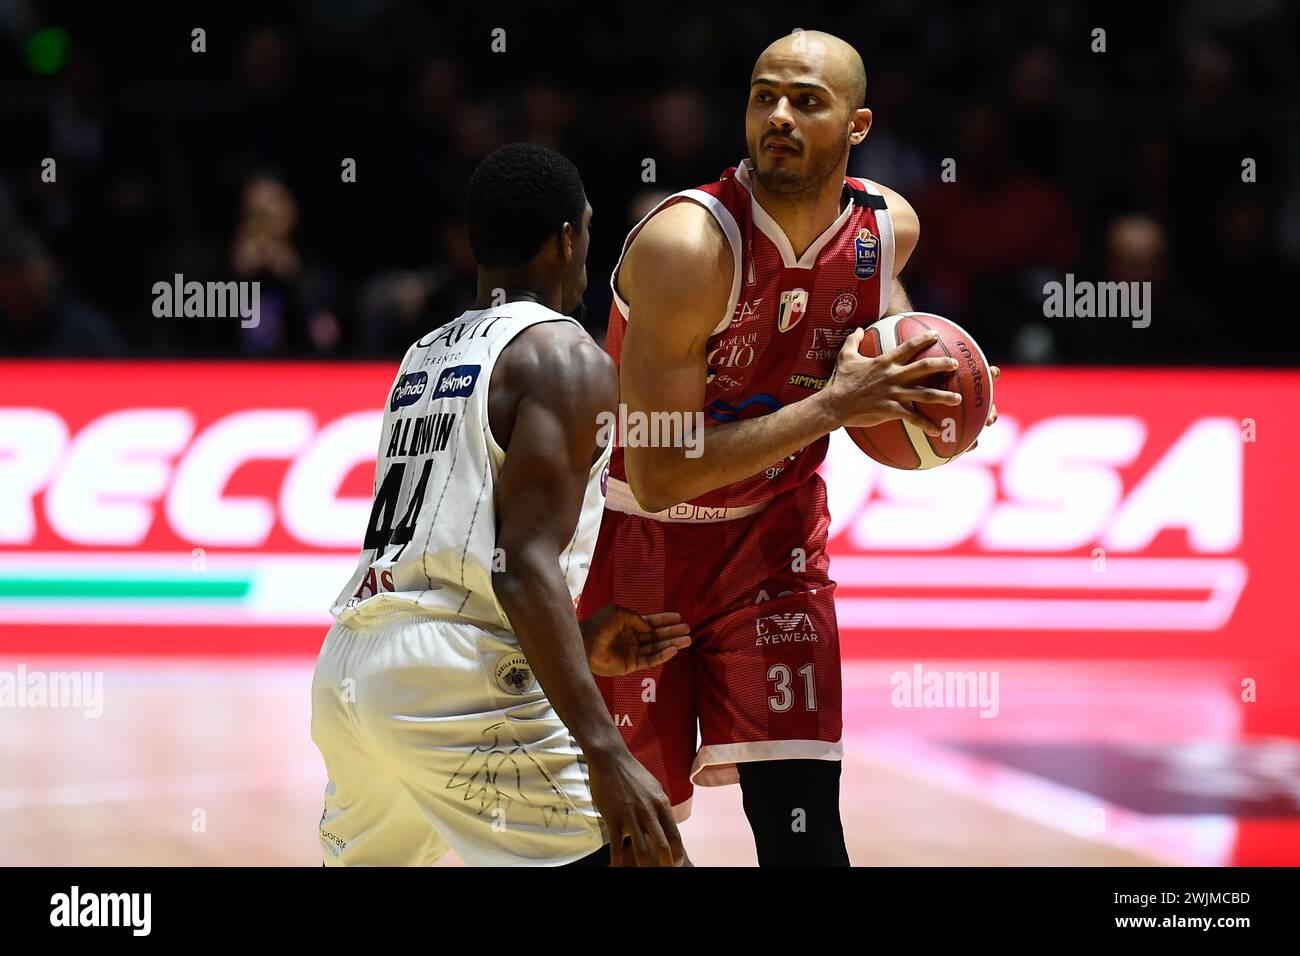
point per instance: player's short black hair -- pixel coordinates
(519, 196)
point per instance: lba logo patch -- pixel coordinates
(457, 381)
(867, 249)
(409, 390)
(793, 305)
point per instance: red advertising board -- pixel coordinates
(217, 507)
(1125, 513)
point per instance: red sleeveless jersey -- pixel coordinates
(786, 319)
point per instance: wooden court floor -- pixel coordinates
(210, 763)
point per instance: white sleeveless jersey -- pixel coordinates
(431, 540)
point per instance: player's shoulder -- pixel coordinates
(903, 218)
(683, 230)
(555, 355)
(557, 341)
(899, 207)
(409, 355)
(680, 251)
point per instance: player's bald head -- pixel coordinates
(822, 56)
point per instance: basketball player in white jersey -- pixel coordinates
(453, 700)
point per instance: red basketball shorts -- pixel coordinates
(761, 680)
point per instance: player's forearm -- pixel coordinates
(663, 477)
(536, 600)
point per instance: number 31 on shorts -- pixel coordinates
(782, 698)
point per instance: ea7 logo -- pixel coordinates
(745, 311)
(457, 381)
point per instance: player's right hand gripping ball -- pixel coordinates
(900, 444)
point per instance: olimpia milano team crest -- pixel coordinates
(514, 676)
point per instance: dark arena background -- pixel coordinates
(182, 497)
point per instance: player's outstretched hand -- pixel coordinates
(636, 812)
(620, 641)
(867, 391)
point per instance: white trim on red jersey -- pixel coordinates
(770, 228)
(730, 229)
(885, 223)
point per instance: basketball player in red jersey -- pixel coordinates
(744, 299)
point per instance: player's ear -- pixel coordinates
(565, 239)
(860, 125)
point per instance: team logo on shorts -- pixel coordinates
(844, 306)
(514, 676)
(793, 305)
(409, 390)
(867, 249)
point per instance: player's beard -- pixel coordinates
(823, 165)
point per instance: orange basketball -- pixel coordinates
(900, 444)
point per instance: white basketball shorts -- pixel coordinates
(436, 734)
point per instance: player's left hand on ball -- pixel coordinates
(993, 416)
(620, 641)
(993, 409)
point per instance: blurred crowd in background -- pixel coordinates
(1123, 165)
